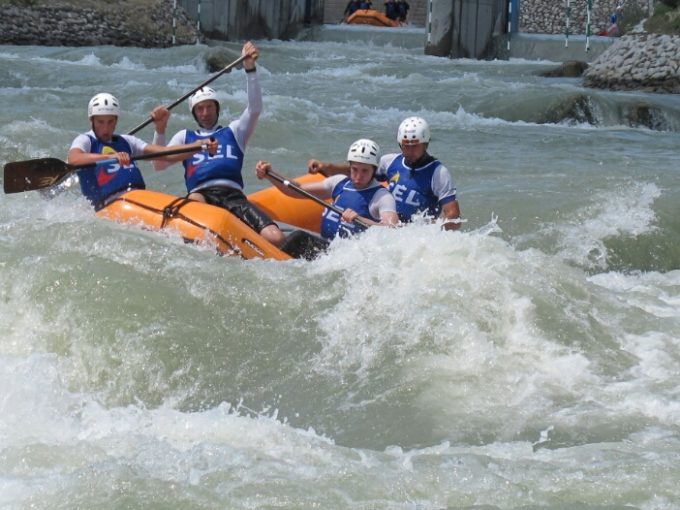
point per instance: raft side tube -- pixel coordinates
(194, 221)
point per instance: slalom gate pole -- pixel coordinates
(174, 22)
(588, 15)
(566, 24)
(509, 22)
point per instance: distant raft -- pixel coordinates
(371, 17)
(206, 224)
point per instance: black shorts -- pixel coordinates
(235, 202)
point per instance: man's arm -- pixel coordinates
(244, 126)
(314, 166)
(451, 213)
(177, 139)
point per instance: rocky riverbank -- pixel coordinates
(143, 23)
(551, 17)
(649, 62)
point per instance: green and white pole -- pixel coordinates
(198, 22)
(509, 22)
(429, 22)
(588, 15)
(566, 24)
(174, 22)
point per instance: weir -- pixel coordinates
(465, 28)
(478, 29)
(253, 19)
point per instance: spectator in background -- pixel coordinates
(613, 30)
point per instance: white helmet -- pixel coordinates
(103, 104)
(203, 94)
(364, 151)
(412, 131)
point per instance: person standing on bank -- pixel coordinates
(218, 180)
(419, 182)
(101, 184)
(360, 196)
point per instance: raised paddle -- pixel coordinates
(45, 172)
(298, 189)
(206, 82)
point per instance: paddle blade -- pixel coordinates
(34, 174)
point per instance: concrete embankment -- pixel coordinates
(124, 23)
(554, 47)
(648, 62)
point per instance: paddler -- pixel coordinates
(360, 196)
(420, 183)
(218, 180)
(101, 184)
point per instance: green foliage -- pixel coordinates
(632, 15)
(20, 3)
(666, 20)
(673, 4)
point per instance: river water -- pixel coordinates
(530, 361)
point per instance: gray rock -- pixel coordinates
(569, 69)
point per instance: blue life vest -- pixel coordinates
(412, 189)
(391, 10)
(346, 196)
(227, 162)
(98, 182)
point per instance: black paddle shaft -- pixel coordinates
(191, 92)
(316, 199)
(41, 173)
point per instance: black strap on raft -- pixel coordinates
(172, 210)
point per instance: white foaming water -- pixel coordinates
(627, 211)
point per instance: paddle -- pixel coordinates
(45, 172)
(289, 184)
(206, 82)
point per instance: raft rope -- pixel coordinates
(172, 210)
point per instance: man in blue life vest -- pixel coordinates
(391, 10)
(419, 183)
(351, 8)
(359, 195)
(402, 10)
(101, 184)
(218, 180)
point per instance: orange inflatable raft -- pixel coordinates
(204, 223)
(371, 17)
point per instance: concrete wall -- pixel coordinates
(333, 9)
(466, 28)
(253, 19)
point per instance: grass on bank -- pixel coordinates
(665, 20)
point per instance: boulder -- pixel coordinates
(219, 58)
(569, 69)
